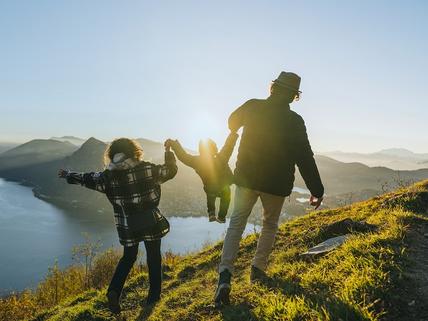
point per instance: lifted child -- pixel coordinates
(212, 166)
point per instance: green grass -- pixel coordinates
(357, 281)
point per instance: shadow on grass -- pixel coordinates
(146, 312)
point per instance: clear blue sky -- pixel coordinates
(163, 69)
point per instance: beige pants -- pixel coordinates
(244, 202)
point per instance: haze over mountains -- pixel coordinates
(395, 158)
(36, 163)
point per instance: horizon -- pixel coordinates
(163, 68)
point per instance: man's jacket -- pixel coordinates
(273, 141)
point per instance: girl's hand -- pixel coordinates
(62, 173)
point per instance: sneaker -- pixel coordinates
(113, 302)
(221, 219)
(211, 217)
(223, 289)
(258, 275)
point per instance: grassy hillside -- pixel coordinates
(375, 276)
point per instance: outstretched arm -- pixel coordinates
(93, 180)
(306, 163)
(181, 154)
(167, 171)
(228, 147)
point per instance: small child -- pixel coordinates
(133, 188)
(213, 168)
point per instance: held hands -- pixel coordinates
(169, 143)
(315, 201)
(62, 173)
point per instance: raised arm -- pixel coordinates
(93, 180)
(228, 146)
(305, 161)
(181, 154)
(237, 118)
(167, 171)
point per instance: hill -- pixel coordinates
(36, 151)
(4, 146)
(381, 275)
(339, 177)
(395, 158)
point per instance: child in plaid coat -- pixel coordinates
(212, 166)
(133, 188)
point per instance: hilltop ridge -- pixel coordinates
(381, 275)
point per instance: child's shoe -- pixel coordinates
(211, 217)
(221, 220)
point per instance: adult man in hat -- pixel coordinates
(273, 141)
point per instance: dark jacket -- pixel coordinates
(133, 188)
(273, 141)
(215, 172)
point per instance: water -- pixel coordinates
(301, 190)
(33, 234)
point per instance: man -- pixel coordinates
(273, 141)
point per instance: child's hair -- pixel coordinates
(130, 147)
(209, 146)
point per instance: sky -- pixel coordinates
(160, 69)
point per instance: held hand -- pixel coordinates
(62, 173)
(168, 143)
(315, 201)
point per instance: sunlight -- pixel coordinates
(204, 126)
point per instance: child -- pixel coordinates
(213, 168)
(133, 188)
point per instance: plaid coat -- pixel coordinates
(133, 188)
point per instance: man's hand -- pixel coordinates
(315, 201)
(62, 173)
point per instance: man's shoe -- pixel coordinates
(223, 289)
(113, 302)
(258, 276)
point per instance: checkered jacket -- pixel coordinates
(134, 191)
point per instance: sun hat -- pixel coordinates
(288, 80)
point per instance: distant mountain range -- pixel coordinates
(71, 139)
(36, 163)
(4, 146)
(394, 158)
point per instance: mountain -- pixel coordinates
(339, 177)
(71, 139)
(184, 195)
(402, 153)
(4, 146)
(376, 275)
(34, 152)
(394, 158)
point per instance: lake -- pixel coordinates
(33, 234)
